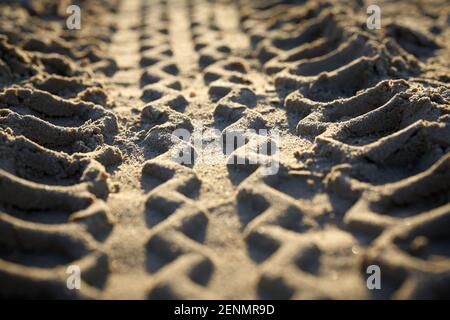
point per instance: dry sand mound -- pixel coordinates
(88, 178)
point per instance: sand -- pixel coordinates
(88, 177)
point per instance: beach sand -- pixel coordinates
(88, 176)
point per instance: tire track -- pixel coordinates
(87, 174)
(55, 135)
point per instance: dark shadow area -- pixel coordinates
(250, 205)
(413, 41)
(202, 272)
(261, 247)
(236, 176)
(274, 288)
